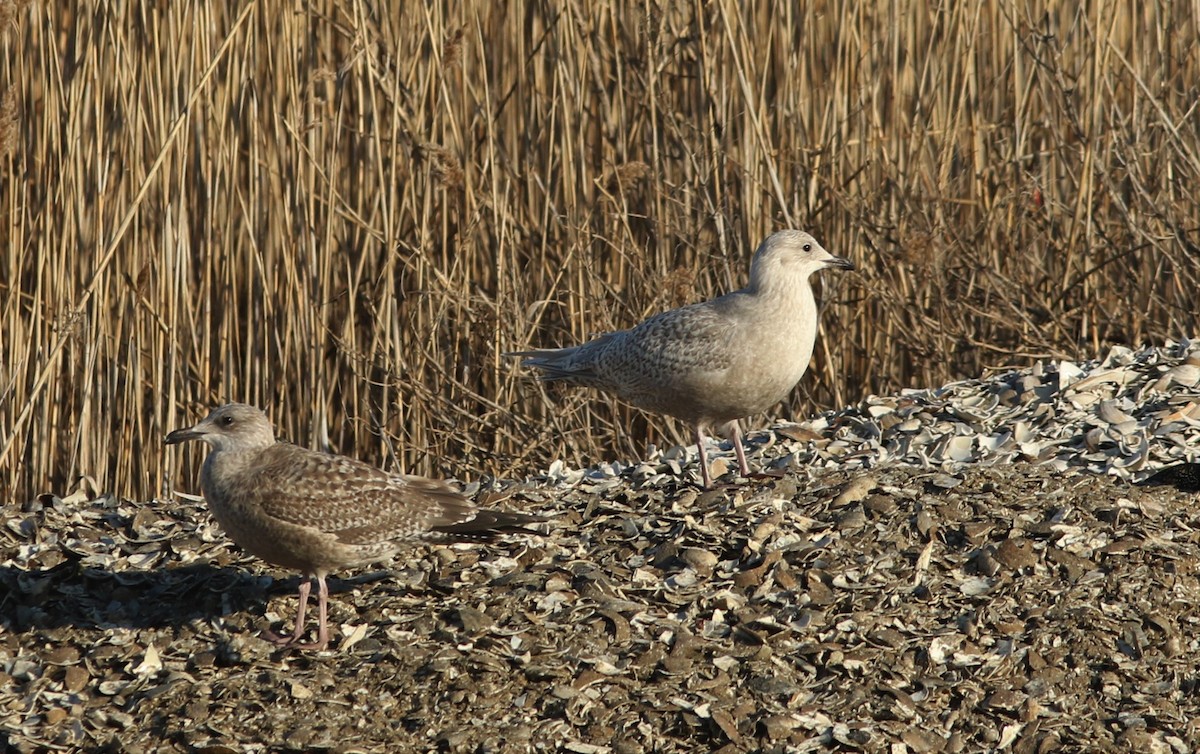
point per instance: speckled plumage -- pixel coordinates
(713, 362)
(316, 513)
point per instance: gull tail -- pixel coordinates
(486, 525)
(574, 364)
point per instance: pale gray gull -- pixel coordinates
(315, 512)
(714, 362)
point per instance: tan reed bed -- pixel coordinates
(345, 213)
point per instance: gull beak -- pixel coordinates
(182, 435)
(839, 262)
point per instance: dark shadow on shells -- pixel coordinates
(1185, 477)
(72, 595)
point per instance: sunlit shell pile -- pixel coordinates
(1125, 414)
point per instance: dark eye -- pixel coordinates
(227, 421)
(807, 247)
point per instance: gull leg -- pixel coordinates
(322, 608)
(298, 631)
(735, 436)
(733, 431)
(704, 477)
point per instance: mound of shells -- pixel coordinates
(962, 569)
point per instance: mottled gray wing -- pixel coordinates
(352, 500)
(672, 346)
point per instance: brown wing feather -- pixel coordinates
(356, 502)
(487, 524)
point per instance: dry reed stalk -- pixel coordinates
(347, 214)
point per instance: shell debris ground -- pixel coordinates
(895, 591)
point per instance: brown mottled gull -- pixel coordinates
(315, 512)
(713, 362)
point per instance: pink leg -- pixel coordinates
(704, 477)
(298, 631)
(735, 436)
(322, 609)
(733, 431)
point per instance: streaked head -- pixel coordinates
(791, 254)
(234, 426)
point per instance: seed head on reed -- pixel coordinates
(452, 48)
(445, 169)
(10, 10)
(9, 126)
(625, 177)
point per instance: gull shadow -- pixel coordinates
(1184, 477)
(70, 594)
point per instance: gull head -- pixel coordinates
(234, 426)
(790, 256)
